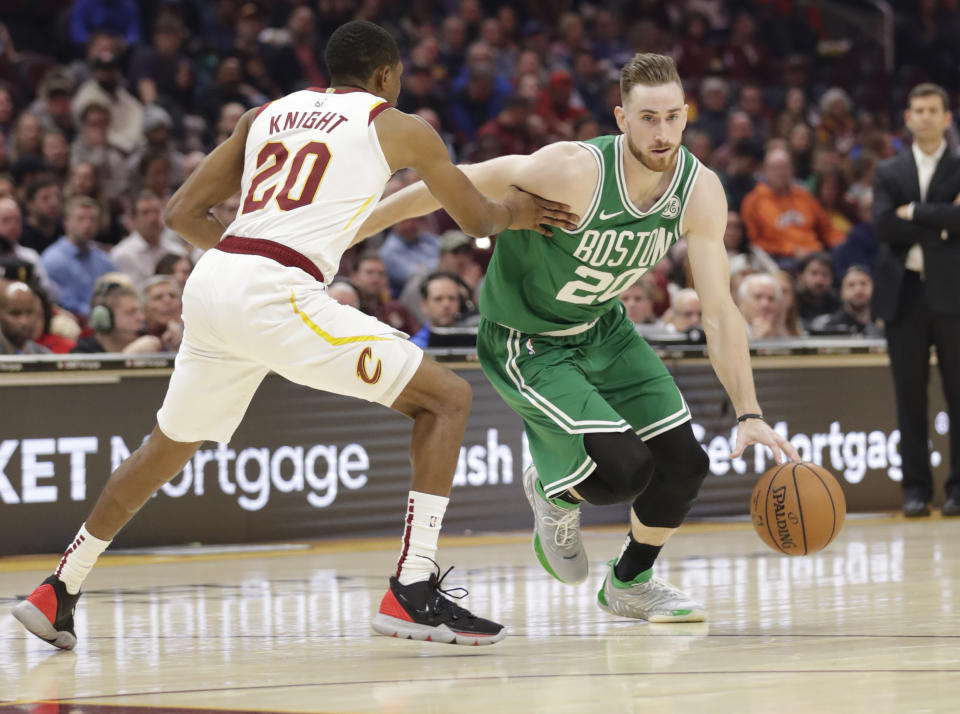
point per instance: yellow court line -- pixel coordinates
(26, 563)
(326, 335)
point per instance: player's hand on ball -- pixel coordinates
(757, 431)
(533, 213)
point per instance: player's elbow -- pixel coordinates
(174, 213)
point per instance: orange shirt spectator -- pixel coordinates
(783, 219)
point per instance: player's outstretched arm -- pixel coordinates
(448, 186)
(215, 180)
(704, 224)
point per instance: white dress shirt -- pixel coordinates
(926, 165)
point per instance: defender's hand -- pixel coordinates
(756, 431)
(533, 213)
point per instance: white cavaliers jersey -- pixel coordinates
(313, 171)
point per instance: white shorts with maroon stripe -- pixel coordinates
(247, 315)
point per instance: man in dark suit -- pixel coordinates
(917, 286)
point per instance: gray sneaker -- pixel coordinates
(655, 600)
(556, 535)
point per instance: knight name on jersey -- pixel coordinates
(612, 248)
(321, 121)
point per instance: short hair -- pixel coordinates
(928, 89)
(368, 256)
(858, 268)
(650, 70)
(357, 49)
(155, 280)
(166, 264)
(819, 257)
(439, 275)
(144, 196)
(75, 202)
(748, 280)
(36, 185)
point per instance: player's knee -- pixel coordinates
(457, 395)
(624, 468)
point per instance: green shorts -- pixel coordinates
(606, 379)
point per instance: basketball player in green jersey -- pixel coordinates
(605, 420)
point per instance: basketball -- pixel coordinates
(797, 508)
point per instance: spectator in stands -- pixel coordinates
(27, 139)
(757, 297)
(344, 293)
(177, 266)
(137, 255)
(860, 247)
(43, 201)
(228, 87)
(740, 177)
(18, 314)
(786, 322)
(559, 106)
(750, 101)
(118, 17)
(800, 145)
(116, 317)
(712, 111)
(781, 217)
(815, 294)
(157, 126)
(105, 88)
(409, 249)
(684, 311)
(73, 262)
(854, 316)
(837, 125)
(475, 101)
(441, 304)
(153, 68)
(11, 227)
(92, 146)
(162, 310)
(510, 126)
(54, 328)
(739, 128)
(745, 57)
(55, 152)
(831, 193)
(84, 180)
(638, 301)
(371, 280)
(52, 107)
(457, 257)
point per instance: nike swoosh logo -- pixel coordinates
(604, 216)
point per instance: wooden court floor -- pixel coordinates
(868, 626)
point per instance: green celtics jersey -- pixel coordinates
(560, 284)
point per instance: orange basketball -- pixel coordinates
(797, 508)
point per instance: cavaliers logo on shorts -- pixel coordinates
(362, 372)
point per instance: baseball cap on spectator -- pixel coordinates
(56, 81)
(453, 240)
(156, 117)
(560, 79)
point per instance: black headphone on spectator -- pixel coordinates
(101, 316)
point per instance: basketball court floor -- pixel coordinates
(867, 626)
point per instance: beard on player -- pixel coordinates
(660, 157)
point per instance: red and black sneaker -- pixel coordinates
(48, 613)
(419, 611)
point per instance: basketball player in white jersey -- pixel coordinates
(310, 167)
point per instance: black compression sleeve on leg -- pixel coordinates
(624, 468)
(682, 465)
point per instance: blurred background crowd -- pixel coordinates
(107, 105)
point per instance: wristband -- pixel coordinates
(744, 417)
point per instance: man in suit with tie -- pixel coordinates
(917, 286)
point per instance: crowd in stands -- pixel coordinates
(107, 105)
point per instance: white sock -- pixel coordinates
(420, 533)
(78, 560)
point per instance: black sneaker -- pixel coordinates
(419, 611)
(48, 613)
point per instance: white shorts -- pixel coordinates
(247, 315)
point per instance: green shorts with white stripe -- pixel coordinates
(601, 380)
